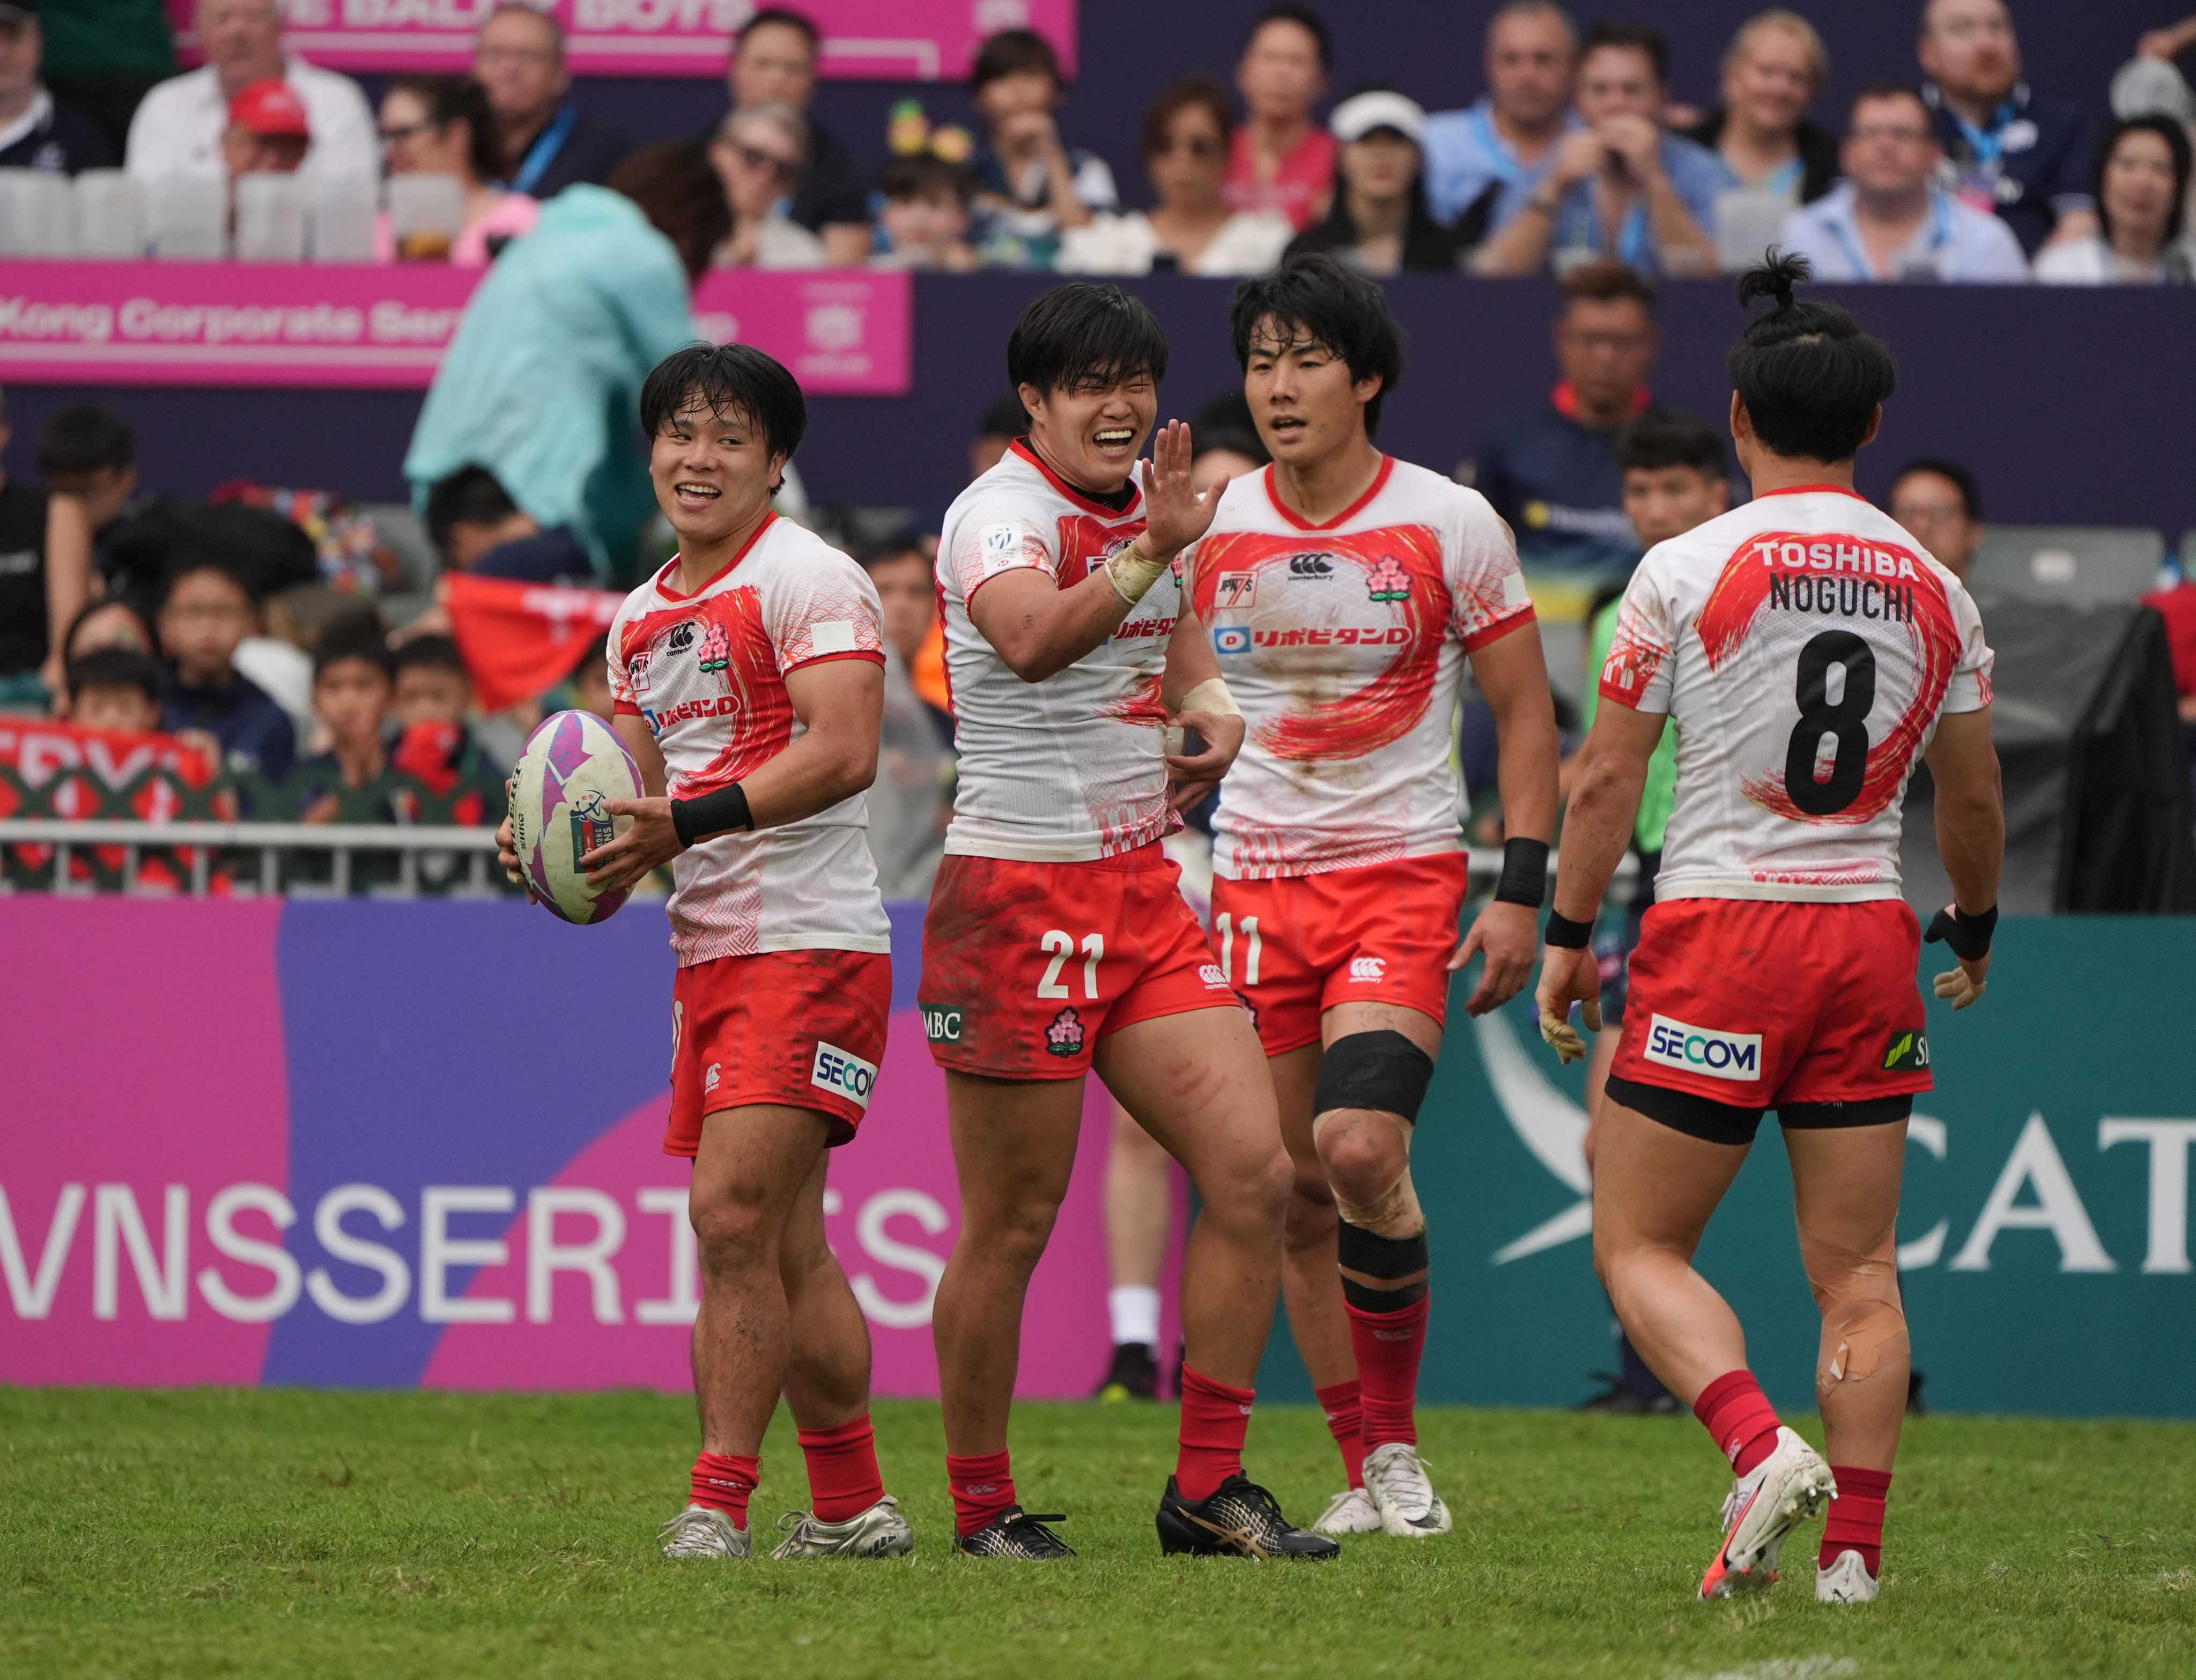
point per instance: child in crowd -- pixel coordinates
(432, 697)
(115, 688)
(206, 613)
(354, 682)
(925, 218)
(1029, 186)
(478, 529)
(591, 681)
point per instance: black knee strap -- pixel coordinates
(1382, 1070)
(1383, 1258)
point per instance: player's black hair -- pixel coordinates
(1225, 422)
(728, 380)
(2175, 137)
(1951, 472)
(430, 653)
(84, 439)
(115, 668)
(472, 495)
(354, 636)
(1810, 374)
(1636, 37)
(785, 18)
(1006, 417)
(1085, 337)
(1668, 437)
(1013, 52)
(1315, 295)
(1305, 18)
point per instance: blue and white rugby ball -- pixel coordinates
(574, 765)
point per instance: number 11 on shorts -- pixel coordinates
(1061, 946)
(1225, 924)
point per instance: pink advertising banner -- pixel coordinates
(889, 40)
(842, 332)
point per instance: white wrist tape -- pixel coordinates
(1132, 574)
(1211, 695)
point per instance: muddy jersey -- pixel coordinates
(1805, 645)
(1344, 644)
(1074, 767)
(705, 673)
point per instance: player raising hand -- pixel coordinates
(1810, 653)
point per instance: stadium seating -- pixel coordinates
(2070, 565)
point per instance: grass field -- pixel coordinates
(218, 1531)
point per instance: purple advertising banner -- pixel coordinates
(895, 40)
(334, 325)
(388, 1146)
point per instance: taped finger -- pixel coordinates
(1562, 1037)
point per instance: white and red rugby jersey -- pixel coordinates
(706, 672)
(1805, 645)
(1073, 768)
(1344, 644)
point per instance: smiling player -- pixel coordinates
(749, 682)
(1345, 590)
(1057, 939)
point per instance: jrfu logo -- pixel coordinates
(1064, 1037)
(1387, 581)
(1368, 970)
(716, 648)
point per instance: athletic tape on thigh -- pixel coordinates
(1384, 1259)
(1382, 1070)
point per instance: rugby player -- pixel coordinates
(1345, 590)
(1810, 652)
(748, 677)
(1058, 940)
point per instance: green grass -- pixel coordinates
(218, 1531)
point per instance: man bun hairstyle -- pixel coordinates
(728, 380)
(1671, 437)
(1085, 337)
(1812, 377)
(1313, 295)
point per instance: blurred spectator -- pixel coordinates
(1191, 227)
(925, 218)
(591, 681)
(1887, 220)
(86, 455)
(1550, 469)
(31, 617)
(209, 611)
(1938, 503)
(1030, 187)
(472, 519)
(178, 128)
(1003, 422)
(1620, 186)
(2169, 43)
(36, 131)
(1774, 66)
(1485, 162)
(432, 685)
(109, 623)
(442, 125)
(541, 385)
(1224, 444)
(904, 571)
(438, 748)
(354, 679)
(774, 63)
(115, 688)
(103, 57)
(2005, 150)
(907, 801)
(1280, 161)
(268, 132)
(759, 154)
(1379, 224)
(543, 142)
(2142, 200)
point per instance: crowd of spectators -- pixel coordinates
(1952, 166)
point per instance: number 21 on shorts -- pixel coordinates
(1253, 946)
(1061, 946)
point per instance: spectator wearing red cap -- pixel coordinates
(268, 132)
(181, 127)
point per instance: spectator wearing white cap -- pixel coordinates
(1380, 222)
(1621, 187)
(36, 133)
(178, 130)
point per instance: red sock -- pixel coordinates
(1215, 1418)
(724, 1481)
(1856, 1522)
(1734, 1409)
(843, 1478)
(1345, 1421)
(1388, 1346)
(983, 1486)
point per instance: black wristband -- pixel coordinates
(1524, 873)
(1969, 936)
(716, 813)
(1568, 935)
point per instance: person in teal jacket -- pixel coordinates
(541, 385)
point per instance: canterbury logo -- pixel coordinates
(1310, 566)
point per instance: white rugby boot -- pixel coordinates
(1351, 1511)
(1764, 1505)
(878, 1531)
(704, 1530)
(1846, 1581)
(1409, 1508)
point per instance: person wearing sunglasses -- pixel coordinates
(444, 125)
(760, 154)
(1190, 228)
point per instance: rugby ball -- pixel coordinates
(574, 765)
